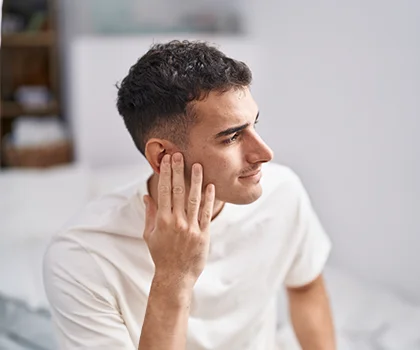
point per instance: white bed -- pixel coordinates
(34, 204)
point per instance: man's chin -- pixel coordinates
(246, 196)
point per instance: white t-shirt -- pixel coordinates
(98, 272)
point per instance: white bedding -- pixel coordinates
(366, 316)
(22, 328)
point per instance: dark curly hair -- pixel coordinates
(156, 98)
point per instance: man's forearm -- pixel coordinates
(311, 317)
(166, 321)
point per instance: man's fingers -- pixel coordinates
(207, 210)
(164, 186)
(194, 198)
(178, 185)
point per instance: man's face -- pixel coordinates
(224, 141)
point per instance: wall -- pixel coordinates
(342, 107)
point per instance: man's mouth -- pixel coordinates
(252, 174)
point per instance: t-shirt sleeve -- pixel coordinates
(82, 306)
(313, 246)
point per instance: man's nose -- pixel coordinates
(259, 151)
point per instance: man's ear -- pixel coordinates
(155, 150)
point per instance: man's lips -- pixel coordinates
(252, 174)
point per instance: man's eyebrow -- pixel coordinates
(234, 129)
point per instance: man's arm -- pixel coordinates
(166, 319)
(178, 238)
(311, 316)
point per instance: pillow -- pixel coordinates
(37, 203)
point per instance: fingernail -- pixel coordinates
(197, 169)
(166, 158)
(177, 157)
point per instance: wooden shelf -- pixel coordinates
(13, 109)
(30, 57)
(18, 40)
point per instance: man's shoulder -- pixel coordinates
(106, 234)
(106, 218)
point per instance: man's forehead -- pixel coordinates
(228, 107)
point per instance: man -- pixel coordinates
(194, 254)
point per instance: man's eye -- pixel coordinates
(232, 139)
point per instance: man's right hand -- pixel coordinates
(178, 237)
(178, 240)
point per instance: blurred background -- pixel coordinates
(338, 86)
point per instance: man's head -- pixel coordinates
(189, 97)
